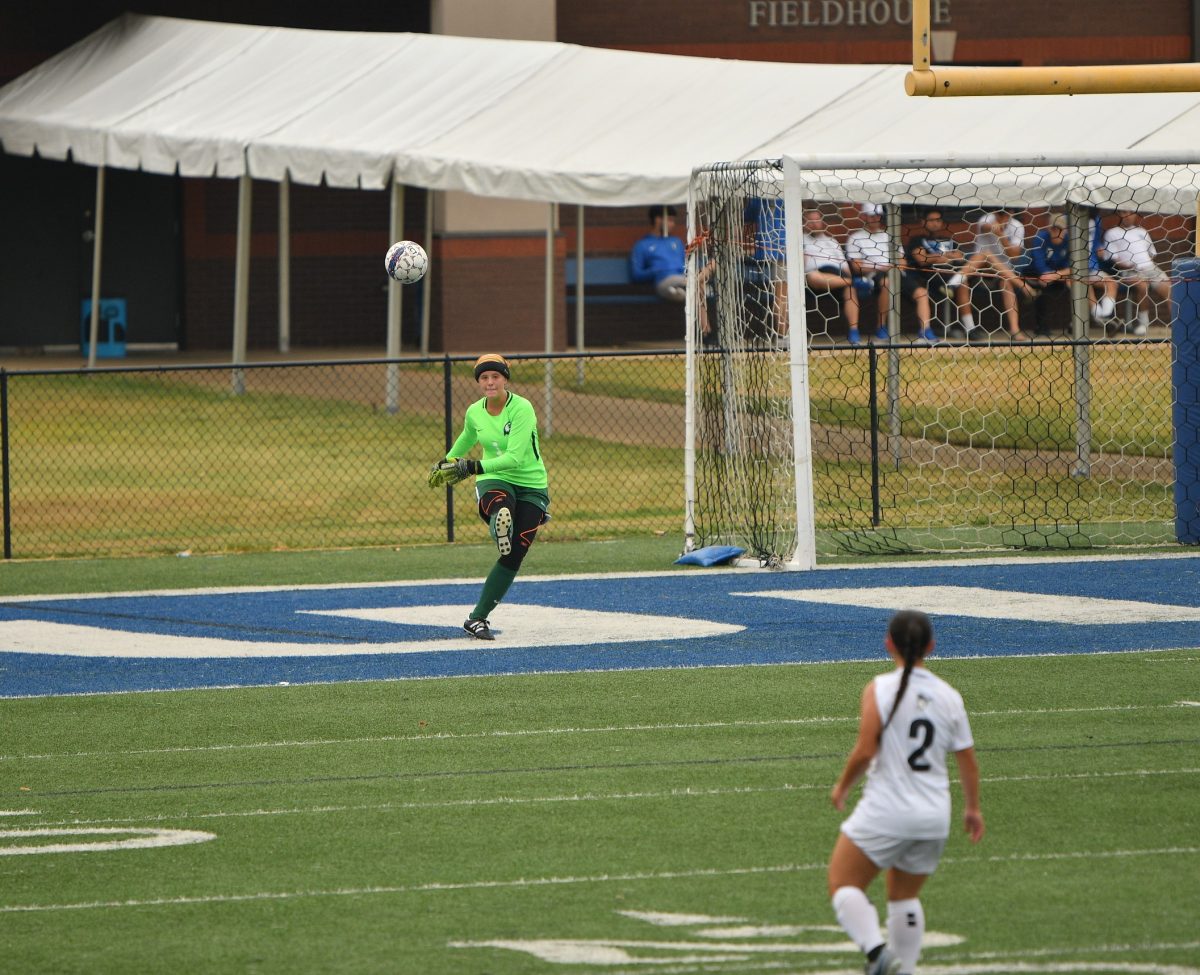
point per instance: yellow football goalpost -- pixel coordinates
(1092, 79)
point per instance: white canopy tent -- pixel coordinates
(527, 120)
(517, 119)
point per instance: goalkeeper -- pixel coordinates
(510, 480)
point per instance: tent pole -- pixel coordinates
(241, 284)
(395, 303)
(426, 285)
(285, 264)
(579, 263)
(548, 409)
(97, 247)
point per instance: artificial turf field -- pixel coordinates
(382, 798)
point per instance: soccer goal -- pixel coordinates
(887, 358)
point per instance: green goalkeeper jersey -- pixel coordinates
(510, 442)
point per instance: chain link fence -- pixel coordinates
(313, 455)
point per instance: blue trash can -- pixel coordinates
(110, 332)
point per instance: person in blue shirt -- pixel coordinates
(765, 234)
(659, 257)
(1050, 270)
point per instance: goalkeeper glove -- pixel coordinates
(452, 471)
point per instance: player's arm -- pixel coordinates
(640, 268)
(858, 268)
(451, 469)
(918, 255)
(465, 440)
(968, 774)
(870, 725)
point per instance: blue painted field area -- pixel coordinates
(150, 641)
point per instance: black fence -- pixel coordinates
(914, 447)
(307, 455)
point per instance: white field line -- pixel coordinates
(531, 882)
(1143, 655)
(535, 732)
(687, 792)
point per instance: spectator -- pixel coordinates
(765, 234)
(659, 257)
(999, 250)
(1132, 252)
(869, 251)
(1102, 285)
(935, 265)
(1050, 264)
(826, 269)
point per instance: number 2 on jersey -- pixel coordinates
(922, 728)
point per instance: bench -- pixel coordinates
(606, 281)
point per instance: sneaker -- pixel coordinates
(881, 333)
(853, 337)
(1140, 328)
(1105, 308)
(480, 629)
(928, 335)
(979, 336)
(504, 524)
(885, 963)
(955, 332)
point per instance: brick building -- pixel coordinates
(170, 241)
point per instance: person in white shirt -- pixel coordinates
(1132, 252)
(999, 241)
(910, 721)
(826, 268)
(869, 253)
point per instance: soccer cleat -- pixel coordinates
(854, 337)
(929, 335)
(979, 336)
(503, 531)
(480, 629)
(1140, 328)
(881, 333)
(956, 333)
(885, 963)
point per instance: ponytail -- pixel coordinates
(911, 633)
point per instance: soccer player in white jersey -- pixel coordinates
(910, 721)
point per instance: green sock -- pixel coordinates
(494, 588)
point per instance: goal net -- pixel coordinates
(963, 356)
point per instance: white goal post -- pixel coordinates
(915, 415)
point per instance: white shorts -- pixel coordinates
(1151, 273)
(911, 856)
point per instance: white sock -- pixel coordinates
(906, 927)
(858, 917)
(1144, 318)
(968, 321)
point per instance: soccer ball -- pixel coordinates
(406, 262)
